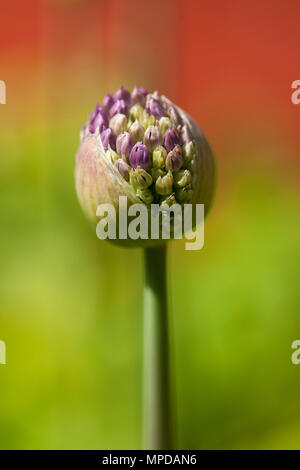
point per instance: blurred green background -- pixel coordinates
(70, 305)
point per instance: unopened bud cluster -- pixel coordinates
(146, 140)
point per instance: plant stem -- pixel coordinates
(156, 374)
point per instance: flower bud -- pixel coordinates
(118, 123)
(140, 179)
(123, 94)
(145, 195)
(174, 160)
(123, 168)
(167, 201)
(155, 108)
(136, 132)
(174, 115)
(188, 152)
(138, 96)
(119, 107)
(102, 178)
(152, 137)
(157, 172)
(111, 155)
(163, 185)
(136, 113)
(182, 178)
(165, 123)
(108, 102)
(108, 139)
(98, 120)
(139, 156)
(185, 134)
(171, 138)
(184, 195)
(124, 145)
(158, 157)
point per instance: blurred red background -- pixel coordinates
(227, 63)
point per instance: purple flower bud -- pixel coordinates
(139, 156)
(123, 168)
(108, 138)
(98, 120)
(123, 94)
(124, 144)
(155, 108)
(152, 137)
(119, 107)
(171, 138)
(138, 96)
(108, 102)
(174, 160)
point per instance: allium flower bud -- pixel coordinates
(108, 139)
(186, 135)
(107, 102)
(174, 160)
(111, 155)
(163, 185)
(98, 120)
(189, 152)
(136, 132)
(174, 115)
(171, 138)
(119, 107)
(145, 195)
(136, 113)
(168, 201)
(118, 123)
(155, 108)
(184, 195)
(152, 137)
(123, 168)
(182, 178)
(165, 123)
(138, 96)
(123, 94)
(113, 160)
(156, 173)
(139, 178)
(139, 156)
(159, 157)
(124, 145)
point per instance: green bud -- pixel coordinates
(163, 185)
(184, 194)
(145, 195)
(159, 156)
(182, 178)
(157, 172)
(140, 179)
(136, 113)
(165, 124)
(189, 151)
(136, 132)
(118, 123)
(168, 201)
(111, 155)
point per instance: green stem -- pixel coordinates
(156, 383)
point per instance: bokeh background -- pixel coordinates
(71, 304)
